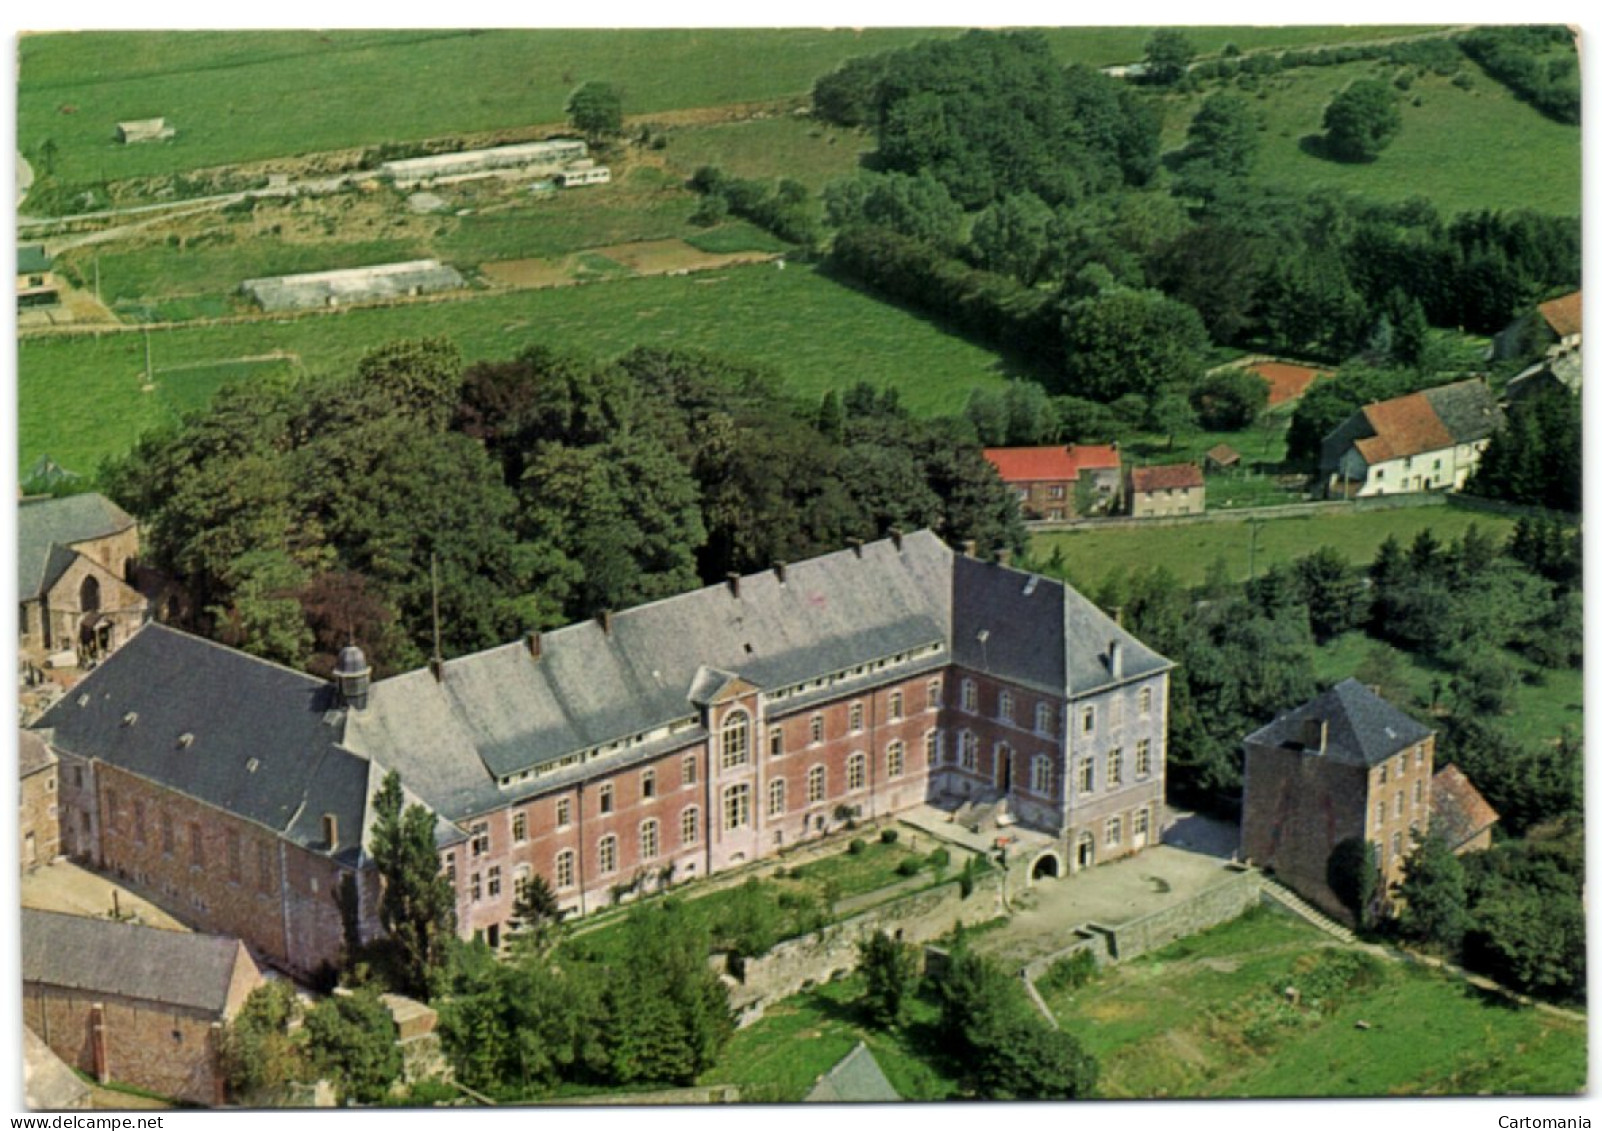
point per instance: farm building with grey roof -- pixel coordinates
(673, 740)
(352, 285)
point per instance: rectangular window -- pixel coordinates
(1418, 757)
(931, 748)
(519, 827)
(1040, 776)
(1418, 794)
(1042, 718)
(1004, 707)
(1142, 825)
(605, 796)
(1115, 711)
(736, 806)
(648, 784)
(481, 839)
(1087, 775)
(1115, 832)
(776, 797)
(690, 826)
(1383, 772)
(817, 729)
(856, 771)
(934, 694)
(1144, 702)
(1115, 767)
(856, 717)
(450, 871)
(815, 784)
(564, 812)
(475, 887)
(1399, 799)
(495, 881)
(650, 840)
(970, 697)
(1379, 815)
(606, 855)
(895, 706)
(1143, 758)
(564, 868)
(776, 742)
(688, 769)
(1087, 721)
(895, 760)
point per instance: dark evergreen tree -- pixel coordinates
(417, 906)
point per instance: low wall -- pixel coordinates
(812, 959)
(1250, 514)
(1216, 905)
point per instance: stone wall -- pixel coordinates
(793, 965)
(1216, 905)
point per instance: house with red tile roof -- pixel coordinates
(1061, 482)
(1552, 327)
(1426, 441)
(1459, 813)
(1166, 491)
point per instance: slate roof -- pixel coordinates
(263, 740)
(1364, 730)
(1563, 314)
(45, 527)
(33, 754)
(1028, 465)
(1467, 410)
(1457, 810)
(31, 259)
(1167, 477)
(102, 955)
(856, 1079)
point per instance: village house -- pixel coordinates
(36, 280)
(1167, 491)
(1458, 812)
(616, 755)
(1426, 441)
(134, 1004)
(1061, 482)
(76, 555)
(1345, 765)
(39, 819)
(1553, 327)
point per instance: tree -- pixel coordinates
(596, 110)
(1361, 121)
(421, 378)
(1336, 598)
(352, 1039)
(535, 913)
(417, 906)
(1131, 342)
(1168, 55)
(890, 973)
(257, 1052)
(1013, 236)
(1434, 896)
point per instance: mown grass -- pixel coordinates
(1206, 1017)
(769, 148)
(1449, 138)
(248, 95)
(1544, 705)
(1187, 551)
(79, 397)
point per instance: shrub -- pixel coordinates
(858, 846)
(940, 857)
(889, 836)
(909, 867)
(1070, 973)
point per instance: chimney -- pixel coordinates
(856, 546)
(778, 571)
(970, 549)
(1004, 556)
(1315, 735)
(1115, 659)
(330, 831)
(1114, 445)
(734, 583)
(606, 621)
(895, 537)
(536, 644)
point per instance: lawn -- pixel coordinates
(1449, 138)
(1545, 705)
(80, 399)
(769, 148)
(1092, 553)
(237, 96)
(1207, 1017)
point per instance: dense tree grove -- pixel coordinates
(1535, 458)
(543, 488)
(1361, 121)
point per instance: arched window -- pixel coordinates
(815, 785)
(968, 751)
(650, 839)
(736, 739)
(776, 797)
(89, 595)
(690, 826)
(606, 854)
(931, 748)
(856, 770)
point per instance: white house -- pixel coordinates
(1426, 441)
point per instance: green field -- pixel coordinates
(1447, 143)
(769, 148)
(80, 399)
(1545, 705)
(1206, 1017)
(1188, 550)
(249, 95)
